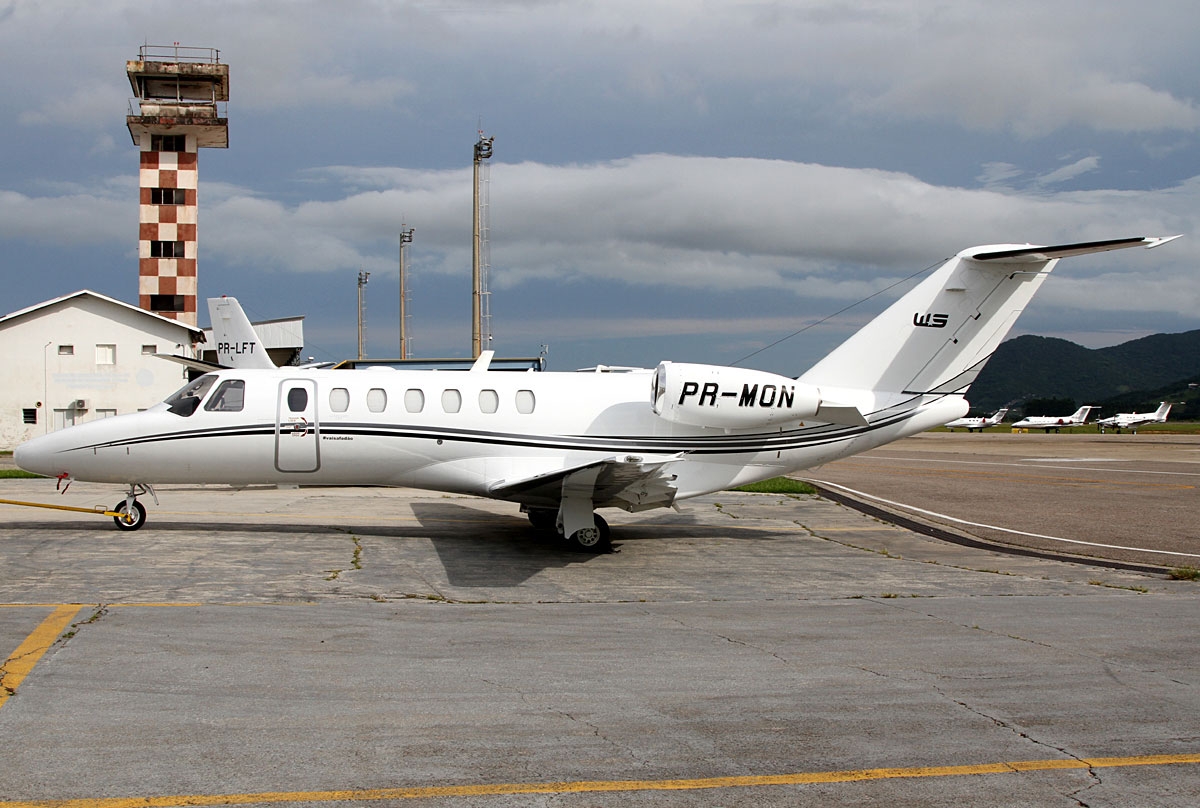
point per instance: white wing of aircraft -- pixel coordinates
(1048, 422)
(1132, 420)
(972, 424)
(565, 444)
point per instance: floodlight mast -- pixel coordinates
(483, 151)
(406, 237)
(362, 342)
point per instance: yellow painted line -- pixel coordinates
(610, 786)
(21, 661)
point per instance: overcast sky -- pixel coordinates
(681, 180)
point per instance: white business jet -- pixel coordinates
(1132, 420)
(972, 424)
(564, 444)
(1048, 422)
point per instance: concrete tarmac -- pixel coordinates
(1123, 497)
(381, 646)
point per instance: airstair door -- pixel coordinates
(297, 433)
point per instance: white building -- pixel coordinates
(82, 357)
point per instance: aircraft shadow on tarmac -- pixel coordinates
(476, 547)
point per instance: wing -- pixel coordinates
(630, 482)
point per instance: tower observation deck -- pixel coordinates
(178, 108)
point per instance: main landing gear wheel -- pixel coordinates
(592, 539)
(131, 518)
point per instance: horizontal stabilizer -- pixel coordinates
(194, 364)
(1033, 254)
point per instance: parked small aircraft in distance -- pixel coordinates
(562, 445)
(1048, 422)
(1132, 420)
(973, 424)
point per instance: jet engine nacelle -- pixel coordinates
(732, 398)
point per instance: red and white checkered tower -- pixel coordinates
(180, 94)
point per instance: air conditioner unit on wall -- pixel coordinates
(79, 404)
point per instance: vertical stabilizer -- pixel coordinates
(937, 337)
(238, 346)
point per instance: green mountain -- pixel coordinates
(1044, 367)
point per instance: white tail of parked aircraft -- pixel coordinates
(980, 424)
(1132, 420)
(237, 344)
(565, 444)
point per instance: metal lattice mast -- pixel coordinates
(483, 151)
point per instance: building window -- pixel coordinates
(149, 350)
(176, 143)
(166, 302)
(166, 249)
(489, 401)
(451, 401)
(525, 402)
(107, 413)
(168, 196)
(414, 400)
(106, 354)
(66, 350)
(339, 399)
(376, 399)
(29, 415)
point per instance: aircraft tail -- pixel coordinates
(937, 337)
(1161, 413)
(1081, 415)
(999, 416)
(238, 346)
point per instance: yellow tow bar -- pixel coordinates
(99, 510)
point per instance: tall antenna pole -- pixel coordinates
(483, 151)
(406, 237)
(362, 341)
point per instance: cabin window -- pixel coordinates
(489, 401)
(29, 415)
(106, 354)
(230, 397)
(339, 399)
(451, 401)
(414, 400)
(297, 399)
(376, 399)
(525, 402)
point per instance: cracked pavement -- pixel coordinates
(768, 635)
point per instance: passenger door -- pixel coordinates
(297, 437)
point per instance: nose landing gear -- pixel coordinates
(131, 514)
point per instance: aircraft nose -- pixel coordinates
(37, 456)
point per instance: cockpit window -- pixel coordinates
(185, 400)
(230, 397)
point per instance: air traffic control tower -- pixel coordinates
(179, 93)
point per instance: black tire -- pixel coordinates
(593, 540)
(133, 518)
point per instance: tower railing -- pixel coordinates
(178, 53)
